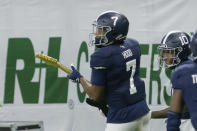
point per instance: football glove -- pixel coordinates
(75, 75)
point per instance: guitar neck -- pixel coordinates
(64, 68)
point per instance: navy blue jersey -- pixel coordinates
(185, 78)
(116, 67)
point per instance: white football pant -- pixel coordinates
(141, 124)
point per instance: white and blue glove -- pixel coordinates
(75, 75)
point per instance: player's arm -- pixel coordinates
(163, 113)
(174, 113)
(94, 92)
(160, 113)
(177, 103)
(95, 88)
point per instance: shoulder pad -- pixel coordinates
(100, 59)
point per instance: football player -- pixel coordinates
(174, 51)
(115, 74)
(193, 46)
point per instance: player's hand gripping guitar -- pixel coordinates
(74, 75)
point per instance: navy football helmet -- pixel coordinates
(110, 27)
(174, 48)
(194, 46)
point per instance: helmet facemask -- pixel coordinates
(169, 57)
(98, 36)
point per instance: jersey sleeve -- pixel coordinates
(98, 77)
(176, 80)
(99, 64)
(99, 61)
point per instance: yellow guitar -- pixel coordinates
(53, 62)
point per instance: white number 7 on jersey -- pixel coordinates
(131, 65)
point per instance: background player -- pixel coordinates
(115, 74)
(174, 51)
